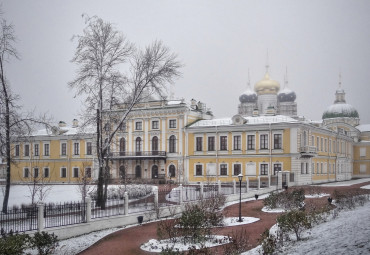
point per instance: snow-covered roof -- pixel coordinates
(364, 128)
(63, 131)
(340, 110)
(250, 120)
(174, 102)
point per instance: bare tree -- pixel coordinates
(101, 53)
(85, 182)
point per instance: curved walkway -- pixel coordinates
(128, 241)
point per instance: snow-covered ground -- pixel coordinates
(349, 233)
(345, 183)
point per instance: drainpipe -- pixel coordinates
(269, 172)
(217, 168)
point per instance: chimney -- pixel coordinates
(75, 123)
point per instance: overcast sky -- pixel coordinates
(217, 41)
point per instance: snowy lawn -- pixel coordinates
(233, 221)
(317, 195)
(273, 210)
(349, 233)
(156, 246)
(344, 183)
(365, 187)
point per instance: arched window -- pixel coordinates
(172, 171)
(138, 146)
(172, 144)
(122, 172)
(155, 145)
(122, 146)
(154, 172)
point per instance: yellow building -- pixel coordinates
(62, 154)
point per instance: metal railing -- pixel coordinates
(19, 220)
(123, 154)
(112, 207)
(64, 214)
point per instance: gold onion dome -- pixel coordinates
(266, 85)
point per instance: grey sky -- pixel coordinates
(218, 41)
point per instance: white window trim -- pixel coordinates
(60, 172)
(176, 144)
(227, 170)
(88, 155)
(273, 165)
(60, 148)
(43, 150)
(268, 142)
(241, 143)
(19, 150)
(43, 172)
(73, 171)
(363, 152)
(29, 150)
(255, 143)
(175, 123)
(259, 168)
(33, 150)
(241, 168)
(282, 141)
(215, 145)
(151, 124)
(29, 172)
(195, 170)
(142, 125)
(73, 149)
(195, 144)
(219, 143)
(255, 166)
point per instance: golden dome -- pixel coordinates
(266, 85)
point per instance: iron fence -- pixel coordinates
(191, 193)
(112, 207)
(227, 189)
(141, 204)
(19, 219)
(64, 214)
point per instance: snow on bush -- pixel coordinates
(134, 191)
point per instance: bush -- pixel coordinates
(268, 242)
(295, 221)
(285, 200)
(13, 243)
(349, 199)
(44, 242)
(239, 243)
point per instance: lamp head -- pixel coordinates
(240, 176)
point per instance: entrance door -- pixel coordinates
(155, 172)
(138, 172)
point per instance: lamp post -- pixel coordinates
(169, 195)
(240, 177)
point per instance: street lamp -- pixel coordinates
(169, 195)
(240, 177)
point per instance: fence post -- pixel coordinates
(40, 217)
(259, 182)
(155, 197)
(247, 184)
(234, 186)
(269, 181)
(125, 195)
(180, 195)
(201, 190)
(88, 209)
(219, 187)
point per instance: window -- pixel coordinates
(16, 152)
(363, 152)
(264, 142)
(46, 172)
(35, 172)
(322, 168)
(199, 143)
(106, 127)
(302, 168)
(88, 148)
(223, 169)
(155, 124)
(172, 171)
(334, 147)
(138, 125)
(64, 149)
(211, 143)
(36, 149)
(122, 146)
(88, 172)
(172, 123)
(63, 172)
(251, 142)
(75, 172)
(326, 145)
(264, 169)
(122, 126)
(26, 172)
(237, 169)
(317, 143)
(198, 170)
(313, 167)
(317, 168)
(237, 142)
(172, 144)
(278, 141)
(27, 150)
(155, 145)
(46, 149)
(312, 140)
(362, 168)
(329, 146)
(223, 143)
(76, 148)
(138, 144)
(277, 168)
(307, 168)
(322, 144)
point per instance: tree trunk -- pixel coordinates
(100, 200)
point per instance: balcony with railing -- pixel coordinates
(308, 151)
(138, 155)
